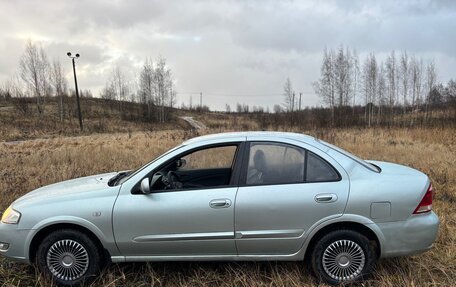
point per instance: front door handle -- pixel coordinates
(325, 197)
(220, 203)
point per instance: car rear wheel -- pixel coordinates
(343, 256)
(69, 257)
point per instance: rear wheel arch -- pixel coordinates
(346, 225)
(41, 234)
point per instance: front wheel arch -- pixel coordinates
(40, 235)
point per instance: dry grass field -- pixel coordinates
(31, 164)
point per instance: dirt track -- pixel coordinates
(194, 123)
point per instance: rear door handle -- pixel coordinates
(325, 197)
(220, 203)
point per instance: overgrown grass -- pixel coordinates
(31, 164)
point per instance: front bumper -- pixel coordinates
(412, 236)
(16, 240)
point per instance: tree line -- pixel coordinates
(399, 84)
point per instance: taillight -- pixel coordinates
(426, 203)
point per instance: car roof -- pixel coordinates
(264, 134)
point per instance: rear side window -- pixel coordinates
(319, 170)
(274, 163)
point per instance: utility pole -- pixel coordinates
(201, 100)
(300, 94)
(76, 87)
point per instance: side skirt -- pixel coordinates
(292, 257)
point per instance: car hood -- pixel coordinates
(67, 188)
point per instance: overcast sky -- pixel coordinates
(232, 51)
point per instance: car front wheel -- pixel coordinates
(343, 256)
(69, 257)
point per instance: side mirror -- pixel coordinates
(145, 186)
(181, 163)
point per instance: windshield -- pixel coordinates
(351, 156)
(134, 172)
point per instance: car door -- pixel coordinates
(193, 220)
(285, 190)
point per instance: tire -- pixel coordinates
(343, 256)
(69, 257)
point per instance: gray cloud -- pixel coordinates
(226, 49)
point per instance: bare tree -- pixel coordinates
(404, 77)
(355, 70)
(391, 77)
(348, 84)
(34, 71)
(381, 91)
(342, 76)
(120, 86)
(117, 87)
(370, 75)
(325, 87)
(161, 92)
(60, 85)
(431, 79)
(147, 86)
(120, 82)
(165, 94)
(416, 68)
(288, 95)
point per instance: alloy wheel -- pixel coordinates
(67, 260)
(343, 260)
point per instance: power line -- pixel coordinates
(238, 95)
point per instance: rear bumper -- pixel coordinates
(412, 236)
(16, 240)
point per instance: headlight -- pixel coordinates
(11, 216)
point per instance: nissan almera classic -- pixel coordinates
(232, 196)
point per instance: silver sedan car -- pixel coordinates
(232, 196)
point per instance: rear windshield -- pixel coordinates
(351, 156)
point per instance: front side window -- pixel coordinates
(203, 168)
(216, 157)
(274, 163)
